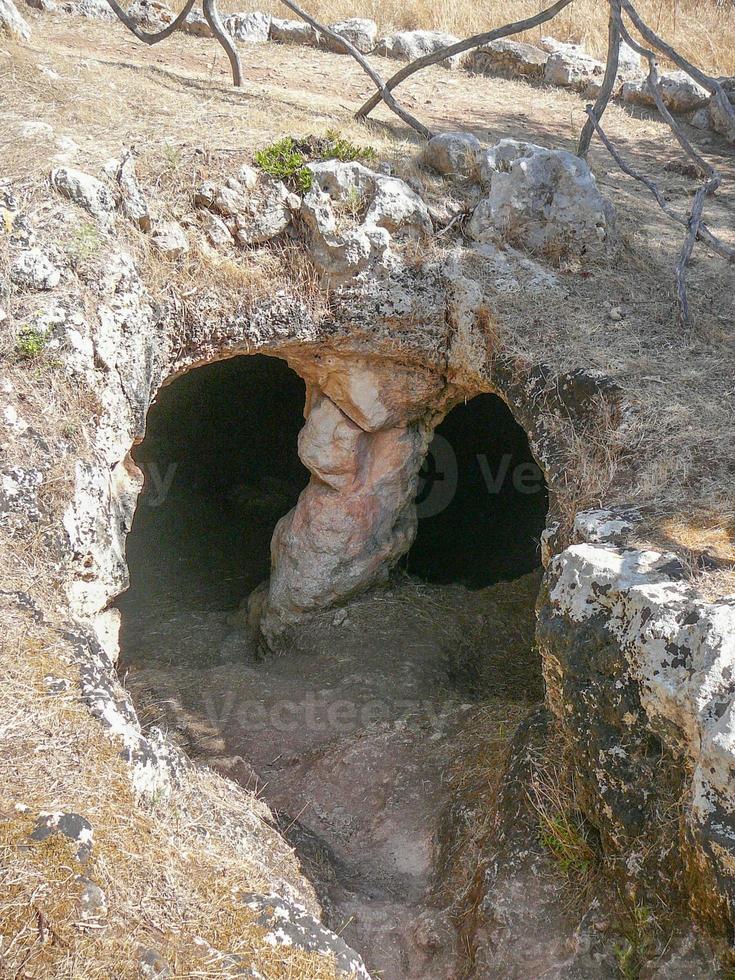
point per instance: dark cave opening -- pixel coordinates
(482, 499)
(221, 468)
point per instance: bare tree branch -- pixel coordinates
(711, 84)
(608, 82)
(144, 36)
(471, 42)
(383, 92)
(212, 17)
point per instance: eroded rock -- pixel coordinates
(409, 45)
(86, 191)
(253, 209)
(722, 117)
(679, 92)
(360, 32)
(12, 23)
(133, 202)
(293, 32)
(513, 59)
(454, 153)
(541, 199)
(170, 238)
(35, 269)
(253, 27)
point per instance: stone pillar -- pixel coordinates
(354, 520)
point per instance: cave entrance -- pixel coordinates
(221, 468)
(482, 499)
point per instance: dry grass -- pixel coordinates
(701, 29)
(171, 870)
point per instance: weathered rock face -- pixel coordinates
(360, 32)
(409, 45)
(622, 630)
(510, 58)
(353, 215)
(12, 23)
(454, 153)
(722, 117)
(679, 92)
(545, 199)
(253, 209)
(356, 517)
(254, 28)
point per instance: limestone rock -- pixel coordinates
(253, 27)
(361, 33)
(94, 9)
(409, 45)
(152, 964)
(216, 230)
(722, 120)
(514, 59)
(92, 900)
(151, 15)
(86, 191)
(679, 92)
(700, 119)
(378, 210)
(45, 5)
(542, 199)
(35, 269)
(12, 23)
(454, 153)
(196, 25)
(329, 445)
(132, 200)
(70, 825)
(170, 238)
(629, 61)
(335, 544)
(290, 924)
(293, 32)
(252, 214)
(576, 71)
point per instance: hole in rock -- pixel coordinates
(372, 737)
(221, 467)
(482, 499)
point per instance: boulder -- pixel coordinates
(543, 200)
(353, 214)
(409, 45)
(361, 33)
(196, 25)
(293, 32)
(289, 924)
(35, 269)
(629, 61)
(454, 153)
(679, 92)
(576, 71)
(253, 27)
(94, 9)
(513, 59)
(254, 210)
(170, 238)
(74, 827)
(151, 15)
(132, 201)
(12, 23)
(722, 118)
(86, 191)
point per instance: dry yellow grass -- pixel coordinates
(702, 30)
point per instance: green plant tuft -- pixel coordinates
(287, 159)
(31, 342)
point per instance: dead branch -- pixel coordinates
(383, 92)
(711, 84)
(471, 42)
(144, 36)
(608, 82)
(212, 17)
